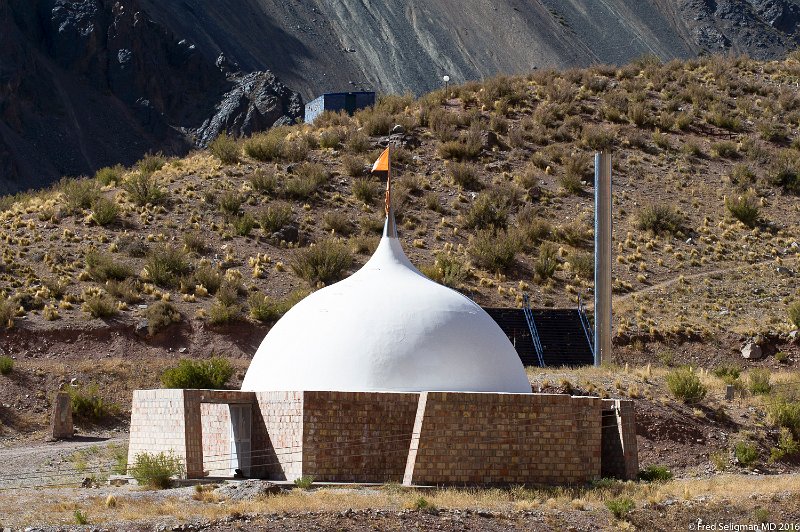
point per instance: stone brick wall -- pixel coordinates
(620, 453)
(278, 435)
(157, 423)
(487, 438)
(357, 436)
(216, 438)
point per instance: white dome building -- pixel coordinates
(386, 328)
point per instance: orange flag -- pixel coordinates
(382, 164)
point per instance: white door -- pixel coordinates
(241, 419)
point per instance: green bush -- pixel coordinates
(304, 482)
(7, 312)
(195, 241)
(745, 453)
(230, 203)
(620, 507)
(448, 269)
(329, 139)
(728, 374)
(786, 413)
(104, 211)
(546, 262)
(465, 175)
(659, 218)
(494, 250)
(6, 365)
(423, 504)
(78, 193)
(787, 446)
(144, 189)
(208, 276)
(100, 305)
(166, 264)
(102, 267)
(265, 146)
(264, 180)
(109, 174)
(88, 405)
(364, 190)
(338, 222)
(295, 149)
(127, 290)
(744, 208)
(582, 264)
(655, 474)
(759, 382)
(151, 163)
(275, 217)
(468, 146)
(225, 148)
(160, 315)
(685, 385)
(794, 314)
(325, 262)
(220, 313)
(266, 309)
(488, 211)
(725, 149)
(242, 225)
(156, 470)
(211, 374)
(81, 518)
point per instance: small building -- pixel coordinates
(338, 101)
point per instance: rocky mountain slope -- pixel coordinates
(94, 83)
(399, 46)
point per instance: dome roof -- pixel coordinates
(387, 327)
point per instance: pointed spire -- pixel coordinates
(383, 164)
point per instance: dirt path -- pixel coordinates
(59, 462)
(674, 280)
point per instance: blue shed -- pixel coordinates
(338, 101)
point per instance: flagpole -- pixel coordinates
(388, 205)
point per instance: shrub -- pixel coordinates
(546, 262)
(295, 149)
(307, 179)
(685, 385)
(487, 211)
(104, 211)
(266, 309)
(353, 166)
(275, 217)
(160, 315)
(220, 313)
(659, 218)
(165, 265)
(195, 241)
(109, 174)
(597, 137)
(655, 473)
(357, 142)
(156, 470)
(728, 374)
(787, 446)
(100, 305)
(81, 518)
(794, 314)
(208, 276)
(782, 357)
(620, 507)
(465, 175)
(759, 382)
(744, 208)
(228, 292)
(582, 264)
(725, 149)
(127, 290)
(211, 374)
(103, 268)
(423, 504)
(468, 146)
(494, 250)
(87, 404)
(78, 193)
(325, 262)
(265, 146)
(364, 190)
(230, 202)
(242, 225)
(338, 222)
(144, 189)
(785, 413)
(304, 482)
(639, 114)
(151, 163)
(745, 453)
(448, 269)
(329, 139)
(264, 180)
(6, 365)
(225, 148)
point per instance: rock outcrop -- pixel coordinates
(91, 83)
